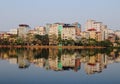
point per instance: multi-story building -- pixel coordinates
(101, 31)
(58, 31)
(77, 28)
(110, 31)
(97, 25)
(53, 34)
(93, 24)
(4, 35)
(104, 32)
(89, 24)
(13, 31)
(98, 36)
(23, 30)
(111, 35)
(85, 34)
(47, 27)
(93, 34)
(68, 32)
(40, 30)
(117, 33)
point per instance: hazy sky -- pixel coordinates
(40, 12)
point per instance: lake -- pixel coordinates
(59, 66)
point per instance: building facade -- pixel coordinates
(40, 30)
(68, 32)
(53, 34)
(13, 31)
(23, 30)
(101, 31)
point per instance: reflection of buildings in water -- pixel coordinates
(117, 59)
(58, 61)
(100, 61)
(112, 54)
(92, 60)
(53, 59)
(39, 62)
(53, 53)
(84, 59)
(77, 64)
(13, 60)
(93, 68)
(23, 62)
(70, 62)
(53, 63)
(12, 52)
(4, 56)
(47, 64)
(96, 64)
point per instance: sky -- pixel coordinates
(39, 12)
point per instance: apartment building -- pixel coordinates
(40, 30)
(68, 32)
(23, 30)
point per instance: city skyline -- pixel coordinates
(39, 12)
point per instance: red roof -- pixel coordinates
(92, 29)
(91, 64)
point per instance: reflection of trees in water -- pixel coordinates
(68, 51)
(53, 53)
(43, 53)
(26, 56)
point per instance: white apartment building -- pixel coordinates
(90, 24)
(99, 27)
(117, 33)
(13, 31)
(68, 60)
(110, 31)
(40, 30)
(104, 32)
(53, 29)
(68, 33)
(53, 34)
(23, 30)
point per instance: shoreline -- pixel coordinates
(36, 47)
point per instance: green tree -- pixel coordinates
(92, 42)
(105, 43)
(43, 38)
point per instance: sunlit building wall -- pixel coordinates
(53, 34)
(104, 32)
(69, 32)
(40, 30)
(13, 31)
(23, 30)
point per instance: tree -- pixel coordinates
(92, 42)
(84, 41)
(105, 43)
(43, 38)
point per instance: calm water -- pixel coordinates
(59, 66)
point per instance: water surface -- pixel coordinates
(59, 66)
